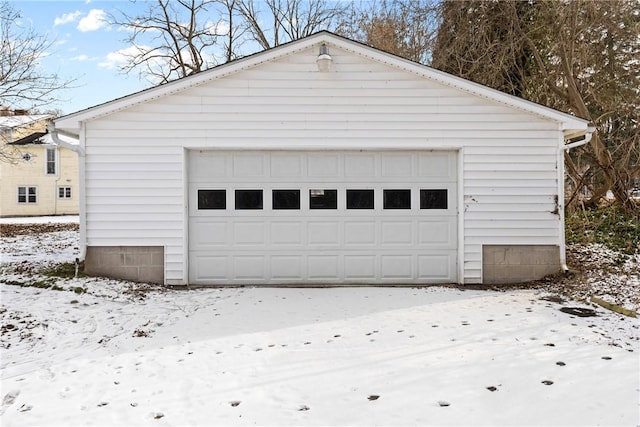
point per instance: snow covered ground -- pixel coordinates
(108, 352)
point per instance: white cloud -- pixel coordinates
(67, 18)
(95, 20)
(115, 60)
(82, 58)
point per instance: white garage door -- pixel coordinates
(283, 217)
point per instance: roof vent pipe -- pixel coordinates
(324, 60)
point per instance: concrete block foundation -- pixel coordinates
(136, 263)
(518, 263)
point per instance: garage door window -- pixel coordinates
(248, 199)
(285, 199)
(323, 199)
(396, 199)
(359, 199)
(212, 199)
(433, 199)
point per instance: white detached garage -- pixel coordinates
(290, 167)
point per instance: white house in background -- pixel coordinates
(38, 176)
(322, 162)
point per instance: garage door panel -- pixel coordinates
(437, 166)
(211, 267)
(437, 233)
(397, 267)
(323, 267)
(360, 267)
(324, 166)
(436, 266)
(207, 165)
(286, 165)
(397, 165)
(397, 233)
(249, 267)
(323, 233)
(286, 233)
(249, 165)
(287, 267)
(406, 241)
(359, 233)
(249, 233)
(359, 165)
(209, 235)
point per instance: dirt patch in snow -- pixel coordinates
(13, 230)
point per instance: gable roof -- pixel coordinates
(573, 126)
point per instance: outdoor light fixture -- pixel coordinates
(324, 60)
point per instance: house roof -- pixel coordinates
(571, 125)
(34, 138)
(11, 122)
(43, 138)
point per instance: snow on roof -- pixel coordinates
(23, 120)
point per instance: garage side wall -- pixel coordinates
(135, 178)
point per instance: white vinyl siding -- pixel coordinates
(135, 164)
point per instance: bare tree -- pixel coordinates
(274, 22)
(406, 28)
(576, 56)
(173, 38)
(23, 82)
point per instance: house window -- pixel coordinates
(212, 199)
(396, 199)
(285, 199)
(323, 199)
(27, 195)
(64, 192)
(248, 199)
(433, 199)
(51, 161)
(359, 199)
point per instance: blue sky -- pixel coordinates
(85, 48)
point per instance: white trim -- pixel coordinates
(185, 219)
(560, 204)
(460, 178)
(82, 196)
